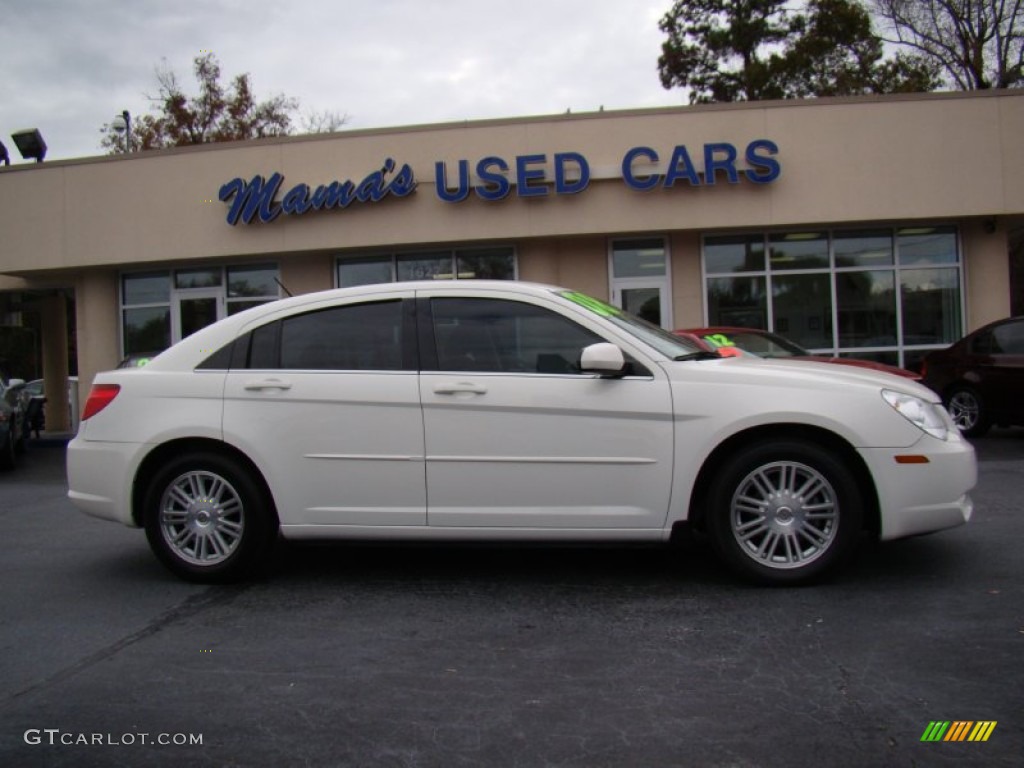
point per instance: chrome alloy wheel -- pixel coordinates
(201, 518)
(784, 515)
(964, 409)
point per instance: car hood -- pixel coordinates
(800, 374)
(855, 363)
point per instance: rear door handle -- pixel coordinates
(257, 385)
(460, 388)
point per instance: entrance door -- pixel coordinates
(640, 279)
(195, 309)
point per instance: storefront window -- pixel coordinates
(147, 288)
(878, 294)
(498, 263)
(485, 264)
(198, 278)
(147, 330)
(866, 310)
(799, 250)
(802, 309)
(425, 266)
(927, 245)
(352, 272)
(931, 306)
(742, 253)
(863, 249)
(738, 301)
(638, 258)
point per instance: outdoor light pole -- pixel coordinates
(123, 124)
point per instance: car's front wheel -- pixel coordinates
(967, 410)
(207, 519)
(784, 512)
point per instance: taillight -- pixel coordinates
(100, 396)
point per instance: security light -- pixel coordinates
(30, 143)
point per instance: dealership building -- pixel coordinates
(872, 227)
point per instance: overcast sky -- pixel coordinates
(68, 66)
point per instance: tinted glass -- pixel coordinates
(197, 278)
(799, 250)
(931, 305)
(425, 266)
(506, 337)
(927, 245)
(150, 288)
(147, 329)
(245, 282)
(1009, 339)
(802, 307)
(638, 258)
(739, 301)
(357, 337)
(867, 308)
(743, 253)
(486, 264)
(863, 249)
(365, 271)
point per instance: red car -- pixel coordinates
(727, 340)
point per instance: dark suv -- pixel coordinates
(981, 377)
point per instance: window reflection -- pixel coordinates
(740, 253)
(799, 250)
(802, 307)
(867, 308)
(738, 301)
(931, 306)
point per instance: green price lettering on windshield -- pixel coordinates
(719, 340)
(596, 306)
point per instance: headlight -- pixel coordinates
(926, 416)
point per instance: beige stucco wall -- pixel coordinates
(935, 156)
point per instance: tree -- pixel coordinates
(978, 44)
(747, 50)
(215, 114)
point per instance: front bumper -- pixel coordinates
(916, 498)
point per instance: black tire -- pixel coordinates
(784, 512)
(208, 519)
(968, 411)
(8, 452)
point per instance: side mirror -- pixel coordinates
(604, 359)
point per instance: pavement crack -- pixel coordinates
(191, 606)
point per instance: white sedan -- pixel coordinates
(504, 411)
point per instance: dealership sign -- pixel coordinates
(494, 178)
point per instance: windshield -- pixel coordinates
(668, 344)
(760, 344)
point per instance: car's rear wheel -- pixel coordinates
(207, 519)
(784, 512)
(966, 408)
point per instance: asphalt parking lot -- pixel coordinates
(412, 656)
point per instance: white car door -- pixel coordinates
(327, 404)
(517, 437)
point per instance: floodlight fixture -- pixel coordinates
(30, 143)
(123, 124)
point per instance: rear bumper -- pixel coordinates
(99, 478)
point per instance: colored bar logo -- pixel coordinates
(958, 730)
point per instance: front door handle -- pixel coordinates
(258, 385)
(460, 388)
